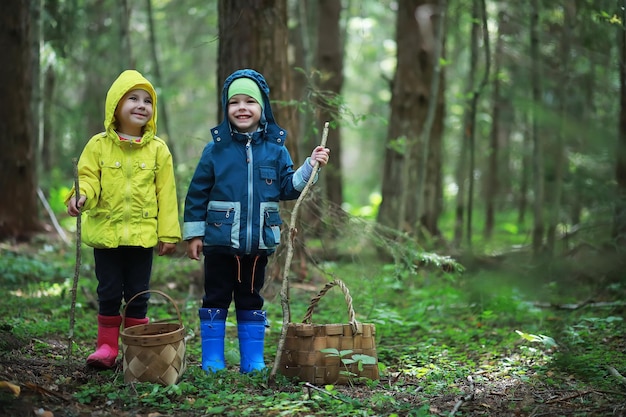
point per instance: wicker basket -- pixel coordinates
(302, 358)
(154, 352)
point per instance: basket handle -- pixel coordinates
(171, 300)
(346, 294)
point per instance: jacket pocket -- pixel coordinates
(146, 170)
(222, 225)
(111, 180)
(97, 230)
(270, 225)
(269, 187)
(149, 237)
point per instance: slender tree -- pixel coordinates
(158, 80)
(18, 182)
(491, 183)
(619, 218)
(555, 165)
(330, 65)
(462, 177)
(537, 157)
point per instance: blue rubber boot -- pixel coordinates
(212, 332)
(251, 333)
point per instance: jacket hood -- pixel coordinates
(270, 130)
(267, 116)
(127, 81)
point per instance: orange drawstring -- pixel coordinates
(256, 258)
(238, 269)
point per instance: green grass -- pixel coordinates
(434, 329)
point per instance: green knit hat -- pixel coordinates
(246, 86)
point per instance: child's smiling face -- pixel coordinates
(133, 112)
(244, 113)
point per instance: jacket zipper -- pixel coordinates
(129, 191)
(250, 195)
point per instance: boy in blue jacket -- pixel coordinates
(232, 215)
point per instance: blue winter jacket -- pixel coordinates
(233, 199)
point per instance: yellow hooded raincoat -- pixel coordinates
(130, 187)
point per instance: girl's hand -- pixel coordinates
(321, 155)
(73, 208)
(166, 248)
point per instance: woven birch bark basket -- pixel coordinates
(154, 352)
(302, 355)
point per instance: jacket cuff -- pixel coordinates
(193, 229)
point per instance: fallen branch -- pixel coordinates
(310, 387)
(588, 303)
(569, 397)
(53, 218)
(616, 374)
(45, 391)
(466, 398)
(284, 292)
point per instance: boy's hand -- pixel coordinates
(321, 155)
(73, 208)
(194, 248)
(166, 248)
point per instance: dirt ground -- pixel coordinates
(43, 395)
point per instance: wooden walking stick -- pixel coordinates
(284, 291)
(77, 265)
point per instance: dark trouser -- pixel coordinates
(123, 272)
(226, 276)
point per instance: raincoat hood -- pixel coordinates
(127, 81)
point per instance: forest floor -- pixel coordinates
(442, 355)
(41, 392)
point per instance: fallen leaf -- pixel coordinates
(10, 387)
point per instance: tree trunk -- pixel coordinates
(125, 55)
(522, 200)
(619, 219)
(253, 34)
(491, 183)
(98, 72)
(556, 163)
(303, 38)
(330, 64)
(158, 81)
(18, 185)
(409, 106)
(462, 173)
(537, 159)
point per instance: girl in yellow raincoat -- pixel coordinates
(129, 206)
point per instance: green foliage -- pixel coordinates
(348, 357)
(23, 269)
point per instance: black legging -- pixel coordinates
(123, 272)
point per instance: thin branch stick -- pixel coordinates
(570, 397)
(53, 218)
(284, 291)
(310, 387)
(77, 265)
(616, 374)
(466, 398)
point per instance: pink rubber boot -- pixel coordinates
(108, 342)
(131, 321)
